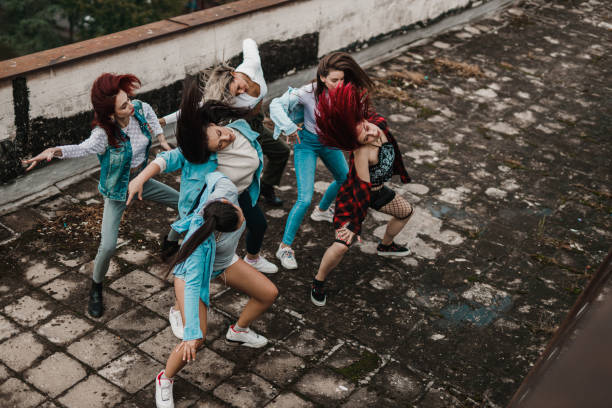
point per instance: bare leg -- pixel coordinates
(263, 292)
(175, 362)
(331, 259)
(394, 226)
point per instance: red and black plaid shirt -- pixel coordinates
(353, 199)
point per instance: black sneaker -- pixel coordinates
(317, 294)
(392, 250)
(269, 196)
(95, 306)
(168, 249)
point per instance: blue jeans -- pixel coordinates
(305, 156)
(113, 210)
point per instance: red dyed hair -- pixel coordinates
(338, 113)
(103, 93)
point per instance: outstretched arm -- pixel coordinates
(136, 185)
(47, 154)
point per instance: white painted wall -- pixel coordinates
(7, 112)
(64, 91)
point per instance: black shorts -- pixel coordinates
(382, 197)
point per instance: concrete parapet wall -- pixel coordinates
(44, 97)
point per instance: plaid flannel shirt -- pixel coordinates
(354, 197)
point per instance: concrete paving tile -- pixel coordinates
(323, 385)
(93, 392)
(132, 371)
(307, 343)
(366, 398)
(279, 366)
(208, 370)
(216, 325)
(98, 348)
(137, 324)
(398, 383)
(30, 309)
(21, 351)
(161, 302)
(161, 345)
(55, 374)
(138, 285)
(246, 390)
(289, 400)
(114, 305)
(41, 273)
(238, 354)
(4, 373)
(64, 328)
(439, 398)
(160, 270)
(135, 256)
(231, 302)
(7, 329)
(18, 394)
(185, 394)
(22, 220)
(48, 404)
(114, 270)
(68, 288)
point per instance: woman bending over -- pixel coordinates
(297, 106)
(123, 130)
(209, 251)
(345, 121)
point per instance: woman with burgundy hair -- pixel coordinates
(123, 130)
(346, 121)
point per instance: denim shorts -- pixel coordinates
(235, 259)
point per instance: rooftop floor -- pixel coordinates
(508, 142)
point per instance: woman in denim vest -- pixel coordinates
(299, 105)
(122, 133)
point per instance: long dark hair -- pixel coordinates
(218, 216)
(196, 117)
(103, 94)
(341, 61)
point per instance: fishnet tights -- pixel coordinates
(399, 208)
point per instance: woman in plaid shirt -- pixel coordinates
(346, 121)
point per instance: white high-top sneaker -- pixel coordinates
(163, 391)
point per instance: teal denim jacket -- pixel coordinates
(286, 112)
(198, 267)
(115, 161)
(193, 175)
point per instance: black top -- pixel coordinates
(383, 170)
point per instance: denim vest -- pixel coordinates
(115, 161)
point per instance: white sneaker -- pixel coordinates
(318, 215)
(163, 391)
(262, 265)
(246, 338)
(286, 256)
(176, 322)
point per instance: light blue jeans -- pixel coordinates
(113, 210)
(305, 156)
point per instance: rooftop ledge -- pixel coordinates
(99, 45)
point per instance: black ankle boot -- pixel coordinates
(95, 307)
(267, 192)
(168, 249)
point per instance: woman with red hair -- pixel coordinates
(346, 121)
(122, 134)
